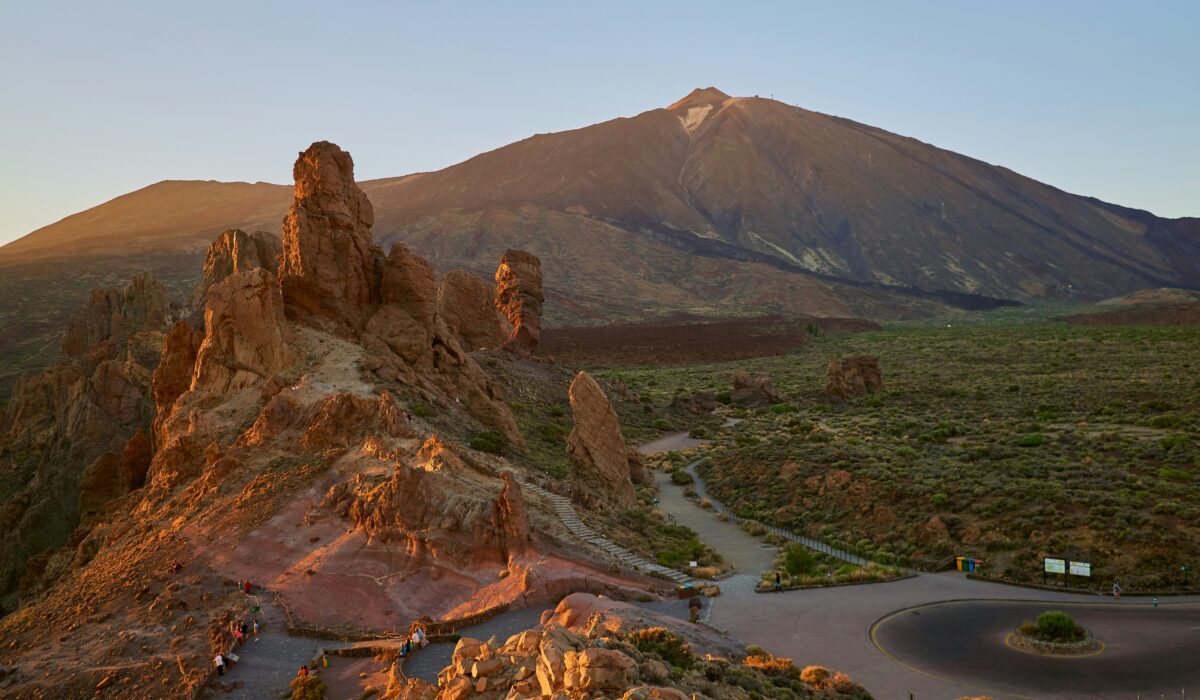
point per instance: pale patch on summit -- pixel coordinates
(694, 118)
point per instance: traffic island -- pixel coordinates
(1054, 633)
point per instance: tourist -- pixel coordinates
(246, 586)
(778, 582)
(324, 660)
(1116, 589)
(255, 628)
(303, 672)
(418, 638)
(694, 605)
(219, 662)
(238, 637)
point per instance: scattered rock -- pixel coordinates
(752, 391)
(849, 377)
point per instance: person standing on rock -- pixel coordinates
(219, 662)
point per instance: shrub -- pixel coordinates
(939, 499)
(1030, 440)
(422, 410)
(558, 410)
(663, 424)
(782, 408)
(1174, 474)
(308, 688)
(1057, 626)
(488, 441)
(798, 560)
(669, 646)
(724, 397)
(680, 477)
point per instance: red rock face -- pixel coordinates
(247, 337)
(467, 305)
(330, 269)
(848, 377)
(237, 251)
(519, 297)
(600, 470)
(173, 376)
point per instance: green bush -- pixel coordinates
(1057, 626)
(680, 477)
(488, 441)
(663, 424)
(669, 646)
(422, 410)
(558, 410)
(308, 688)
(798, 560)
(724, 397)
(782, 408)
(1030, 440)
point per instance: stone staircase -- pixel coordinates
(625, 558)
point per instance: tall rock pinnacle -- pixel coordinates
(329, 272)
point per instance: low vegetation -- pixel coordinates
(1054, 626)
(1006, 437)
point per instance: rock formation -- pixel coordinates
(750, 391)
(329, 273)
(173, 376)
(247, 338)
(519, 297)
(65, 429)
(848, 377)
(600, 471)
(113, 317)
(467, 305)
(237, 251)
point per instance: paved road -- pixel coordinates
(268, 664)
(831, 626)
(1144, 648)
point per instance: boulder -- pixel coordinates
(752, 391)
(519, 297)
(849, 377)
(247, 338)
(466, 303)
(595, 669)
(600, 472)
(329, 274)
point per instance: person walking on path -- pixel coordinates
(1117, 589)
(694, 605)
(219, 662)
(255, 628)
(778, 582)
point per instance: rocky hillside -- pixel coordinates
(714, 206)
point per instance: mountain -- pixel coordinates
(714, 206)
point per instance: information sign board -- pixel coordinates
(1055, 566)
(1081, 568)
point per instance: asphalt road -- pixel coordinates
(1148, 651)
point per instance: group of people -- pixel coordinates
(304, 671)
(416, 640)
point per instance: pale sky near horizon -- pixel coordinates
(99, 99)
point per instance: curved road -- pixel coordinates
(1146, 648)
(832, 627)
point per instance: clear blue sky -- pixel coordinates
(100, 98)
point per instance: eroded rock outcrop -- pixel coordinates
(519, 297)
(173, 375)
(749, 390)
(849, 377)
(106, 328)
(237, 251)
(447, 513)
(66, 428)
(466, 303)
(329, 273)
(600, 471)
(247, 337)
